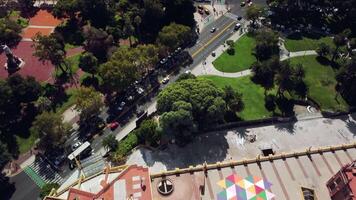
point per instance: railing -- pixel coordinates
(258, 159)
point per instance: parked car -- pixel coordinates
(139, 90)
(121, 106)
(200, 7)
(250, 4)
(242, 4)
(114, 125)
(76, 145)
(207, 11)
(165, 80)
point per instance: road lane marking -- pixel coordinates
(212, 39)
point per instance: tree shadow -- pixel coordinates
(210, 147)
(285, 106)
(323, 60)
(7, 189)
(286, 127)
(90, 81)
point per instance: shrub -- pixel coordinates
(46, 189)
(231, 51)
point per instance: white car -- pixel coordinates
(165, 80)
(188, 72)
(212, 30)
(237, 26)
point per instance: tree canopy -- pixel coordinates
(88, 102)
(174, 35)
(9, 32)
(190, 104)
(51, 130)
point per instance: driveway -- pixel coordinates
(212, 147)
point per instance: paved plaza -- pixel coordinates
(232, 144)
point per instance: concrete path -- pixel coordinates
(207, 68)
(298, 54)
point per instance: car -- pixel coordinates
(207, 11)
(250, 4)
(165, 80)
(114, 125)
(237, 26)
(163, 61)
(121, 106)
(212, 30)
(213, 53)
(242, 4)
(201, 12)
(239, 18)
(200, 7)
(76, 145)
(188, 72)
(139, 90)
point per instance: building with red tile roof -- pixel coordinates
(122, 183)
(342, 186)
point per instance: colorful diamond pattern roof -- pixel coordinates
(249, 188)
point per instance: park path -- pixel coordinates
(206, 67)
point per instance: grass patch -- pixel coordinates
(68, 46)
(241, 60)
(305, 43)
(70, 101)
(321, 83)
(253, 96)
(73, 62)
(25, 144)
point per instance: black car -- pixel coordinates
(239, 18)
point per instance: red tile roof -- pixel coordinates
(342, 186)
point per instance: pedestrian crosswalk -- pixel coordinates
(41, 173)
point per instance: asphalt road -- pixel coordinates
(206, 43)
(25, 188)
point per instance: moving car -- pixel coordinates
(239, 18)
(212, 30)
(76, 145)
(242, 4)
(237, 26)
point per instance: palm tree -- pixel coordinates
(339, 40)
(110, 143)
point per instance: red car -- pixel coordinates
(114, 125)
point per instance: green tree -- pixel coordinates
(9, 32)
(26, 6)
(43, 104)
(339, 41)
(180, 12)
(51, 48)
(173, 35)
(51, 130)
(24, 90)
(147, 133)
(47, 188)
(253, 13)
(270, 103)
(233, 99)
(346, 78)
(66, 8)
(88, 63)
(121, 70)
(4, 155)
(178, 123)
(207, 103)
(110, 143)
(97, 41)
(88, 102)
(323, 50)
(264, 72)
(266, 44)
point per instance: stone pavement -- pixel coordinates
(232, 144)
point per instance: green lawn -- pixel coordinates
(253, 96)
(306, 43)
(73, 62)
(321, 83)
(241, 60)
(25, 144)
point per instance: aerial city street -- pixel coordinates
(177, 99)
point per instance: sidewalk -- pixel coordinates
(207, 68)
